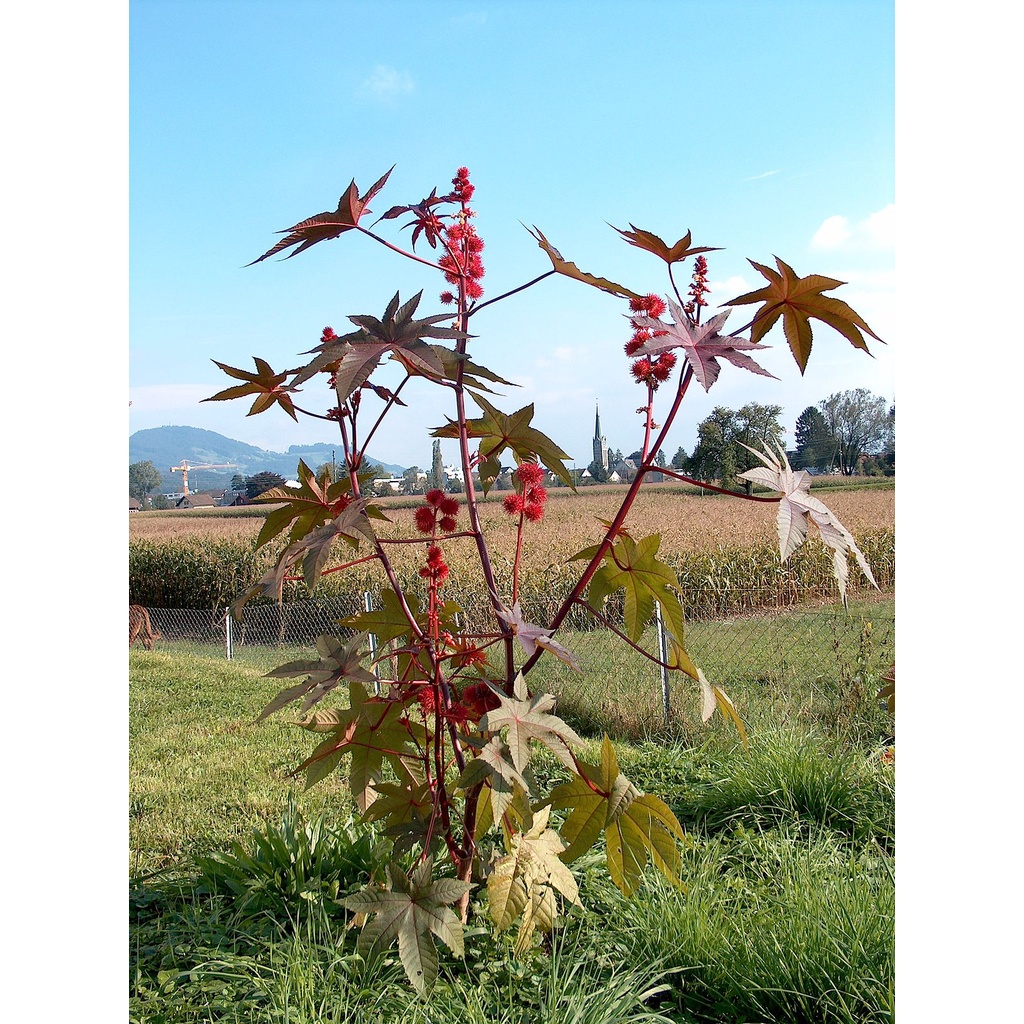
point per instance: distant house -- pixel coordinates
(134, 505)
(189, 501)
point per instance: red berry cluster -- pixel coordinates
(699, 286)
(645, 370)
(438, 504)
(436, 570)
(462, 260)
(529, 497)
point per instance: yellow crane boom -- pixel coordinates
(185, 468)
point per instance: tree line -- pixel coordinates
(848, 433)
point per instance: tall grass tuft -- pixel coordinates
(777, 927)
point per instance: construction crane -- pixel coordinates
(185, 468)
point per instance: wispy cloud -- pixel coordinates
(876, 231)
(387, 83)
(758, 177)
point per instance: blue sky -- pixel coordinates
(764, 128)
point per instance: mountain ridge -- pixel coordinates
(169, 445)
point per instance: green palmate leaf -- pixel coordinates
(524, 882)
(652, 243)
(414, 910)
(472, 373)
(493, 766)
(371, 730)
(337, 661)
(638, 828)
(323, 226)
(268, 387)
(633, 567)
(313, 503)
(798, 300)
(499, 432)
(568, 269)
(526, 718)
(310, 553)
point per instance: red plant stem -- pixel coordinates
(712, 487)
(387, 407)
(505, 295)
(395, 248)
(622, 636)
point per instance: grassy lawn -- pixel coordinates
(787, 915)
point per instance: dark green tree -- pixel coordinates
(720, 455)
(435, 478)
(815, 445)
(262, 482)
(143, 479)
(597, 472)
(680, 459)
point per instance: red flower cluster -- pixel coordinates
(645, 370)
(653, 372)
(438, 504)
(529, 498)
(699, 288)
(435, 570)
(462, 260)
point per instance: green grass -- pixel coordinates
(238, 875)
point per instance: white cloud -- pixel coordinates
(876, 231)
(758, 177)
(387, 83)
(832, 233)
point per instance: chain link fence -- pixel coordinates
(813, 638)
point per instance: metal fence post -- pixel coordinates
(368, 606)
(663, 648)
(227, 633)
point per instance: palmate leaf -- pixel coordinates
(313, 503)
(568, 269)
(499, 432)
(337, 661)
(633, 567)
(523, 883)
(311, 552)
(526, 718)
(355, 356)
(702, 344)
(798, 300)
(414, 910)
(370, 730)
(323, 226)
(652, 243)
(531, 637)
(493, 766)
(638, 828)
(268, 387)
(797, 509)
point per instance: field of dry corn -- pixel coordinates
(687, 522)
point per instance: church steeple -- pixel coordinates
(600, 442)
